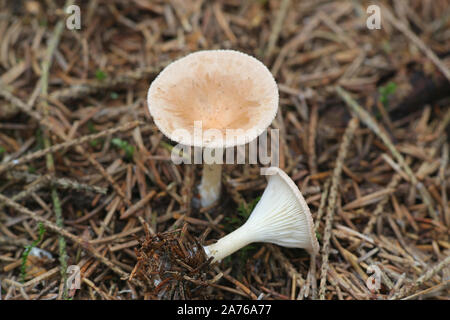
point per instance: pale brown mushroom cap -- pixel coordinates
(225, 89)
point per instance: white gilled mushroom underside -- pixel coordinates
(225, 90)
(281, 217)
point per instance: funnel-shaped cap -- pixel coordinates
(224, 89)
(282, 215)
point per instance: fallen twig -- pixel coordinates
(335, 180)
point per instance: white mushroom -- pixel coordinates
(281, 217)
(225, 90)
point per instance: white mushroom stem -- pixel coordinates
(229, 244)
(211, 184)
(281, 217)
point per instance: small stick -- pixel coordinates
(312, 131)
(312, 275)
(97, 289)
(408, 290)
(380, 206)
(241, 286)
(223, 23)
(41, 277)
(138, 205)
(13, 242)
(273, 38)
(63, 183)
(335, 181)
(39, 183)
(428, 290)
(444, 164)
(323, 202)
(288, 267)
(22, 106)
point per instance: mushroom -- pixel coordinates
(281, 217)
(223, 91)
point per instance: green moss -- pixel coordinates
(23, 270)
(125, 146)
(386, 91)
(245, 210)
(100, 75)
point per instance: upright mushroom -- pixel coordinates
(281, 217)
(225, 90)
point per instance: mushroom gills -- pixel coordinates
(281, 217)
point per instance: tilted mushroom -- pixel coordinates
(225, 90)
(281, 217)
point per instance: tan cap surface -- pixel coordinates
(224, 89)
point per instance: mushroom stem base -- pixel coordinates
(210, 186)
(229, 244)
